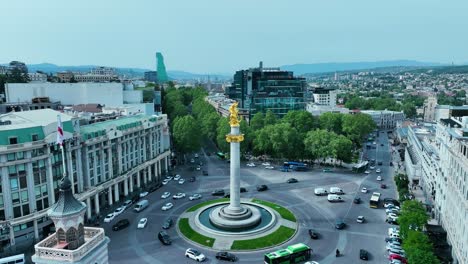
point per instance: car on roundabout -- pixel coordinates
(165, 195)
(121, 224)
(360, 219)
(357, 200)
(379, 178)
(378, 171)
(164, 238)
(178, 196)
(119, 210)
(218, 192)
(262, 188)
(195, 196)
(313, 234)
(181, 181)
(292, 180)
(223, 255)
(364, 190)
(194, 254)
(269, 167)
(340, 224)
(167, 223)
(167, 206)
(142, 223)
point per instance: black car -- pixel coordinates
(313, 234)
(339, 224)
(262, 188)
(391, 221)
(121, 224)
(192, 179)
(223, 255)
(218, 193)
(391, 163)
(164, 238)
(391, 200)
(357, 200)
(381, 145)
(379, 163)
(292, 180)
(205, 173)
(383, 186)
(227, 195)
(168, 223)
(243, 190)
(388, 239)
(363, 254)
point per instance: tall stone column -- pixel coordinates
(96, 203)
(109, 196)
(116, 192)
(125, 187)
(233, 138)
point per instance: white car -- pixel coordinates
(169, 178)
(392, 210)
(400, 252)
(266, 164)
(192, 160)
(391, 246)
(109, 218)
(251, 164)
(198, 168)
(178, 196)
(367, 172)
(393, 230)
(142, 223)
(181, 181)
(196, 155)
(127, 204)
(194, 254)
(379, 178)
(177, 177)
(165, 181)
(392, 215)
(392, 207)
(269, 167)
(119, 210)
(167, 206)
(378, 170)
(372, 167)
(390, 204)
(311, 262)
(195, 196)
(143, 194)
(364, 190)
(360, 219)
(165, 195)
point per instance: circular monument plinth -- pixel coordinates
(244, 218)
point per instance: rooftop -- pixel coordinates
(34, 118)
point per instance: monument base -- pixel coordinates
(244, 217)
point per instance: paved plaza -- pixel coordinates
(134, 245)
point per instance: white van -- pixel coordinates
(336, 190)
(320, 191)
(141, 205)
(334, 198)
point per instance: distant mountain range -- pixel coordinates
(300, 69)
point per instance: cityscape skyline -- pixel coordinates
(198, 37)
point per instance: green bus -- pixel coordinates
(221, 155)
(292, 254)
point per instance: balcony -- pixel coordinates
(45, 249)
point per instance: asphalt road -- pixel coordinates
(134, 245)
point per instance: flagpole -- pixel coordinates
(63, 161)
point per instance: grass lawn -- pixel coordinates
(188, 232)
(194, 208)
(285, 213)
(280, 235)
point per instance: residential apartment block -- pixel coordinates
(106, 162)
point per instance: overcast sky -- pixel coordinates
(221, 36)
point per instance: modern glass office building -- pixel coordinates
(262, 89)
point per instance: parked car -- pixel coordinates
(360, 219)
(363, 254)
(327, 170)
(218, 193)
(364, 190)
(181, 181)
(140, 206)
(379, 178)
(121, 224)
(194, 254)
(167, 223)
(340, 224)
(165, 195)
(164, 238)
(143, 194)
(119, 210)
(372, 167)
(242, 190)
(127, 204)
(313, 234)
(192, 161)
(198, 168)
(262, 188)
(320, 191)
(269, 167)
(195, 196)
(109, 218)
(167, 206)
(378, 171)
(196, 155)
(367, 172)
(165, 181)
(391, 239)
(177, 177)
(383, 186)
(178, 196)
(205, 173)
(142, 223)
(251, 164)
(223, 255)
(379, 163)
(266, 164)
(292, 180)
(357, 200)
(397, 257)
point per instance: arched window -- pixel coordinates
(71, 235)
(61, 235)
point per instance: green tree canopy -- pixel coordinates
(301, 120)
(318, 144)
(357, 126)
(270, 118)
(331, 121)
(186, 134)
(222, 130)
(342, 148)
(413, 217)
(258, 121)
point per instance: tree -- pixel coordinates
(177, 110)
(419, 256)
(285, 141)
(186, 134)
(357, 126)
(270, 118)
(317, 144)
(258, 121)
(222, 130)
(261, 142)
(342, 148)
(331, 121)
(301, 120)
(209, 124)
(413, 217)
(409, 109)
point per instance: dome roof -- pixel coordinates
(66, 204)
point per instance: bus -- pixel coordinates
(374, 200)
(221, 155)
(361, 167)
(290, 255)
(16, 259)
(293, 165)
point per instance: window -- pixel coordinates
(13, 140)
(34, 137)
(14, 184)
(15, 198)
(11, 156)
(20, 155)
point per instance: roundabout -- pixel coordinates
(272, 229)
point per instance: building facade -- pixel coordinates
(37, 77)
(151, 76)
(385, 119)
(324, 96)
(106, 162)
(268, 89)
(65, 77)
(429, 108)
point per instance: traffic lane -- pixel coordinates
(373, 244)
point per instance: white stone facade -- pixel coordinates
(385, 119)
(37, 77)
